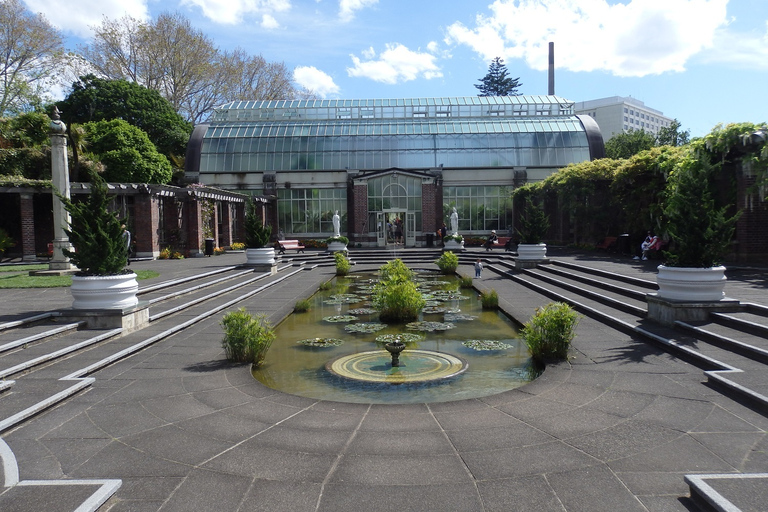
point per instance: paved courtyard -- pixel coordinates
(615, 428)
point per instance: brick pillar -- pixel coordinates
(27, 227)
(359, 209)
(194, 221)
(225, 237)
(239, 232)
(146, 220)
(429, 215)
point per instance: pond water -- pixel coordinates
(335, 314)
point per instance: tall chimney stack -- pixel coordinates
(551, 68)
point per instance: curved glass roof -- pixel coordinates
(407, 108)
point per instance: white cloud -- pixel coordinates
(78, 19)
(230, 12)
(395, 64)
(742, 50)
(347, 8)
(315, 80)
(269, 22)
(634, 38)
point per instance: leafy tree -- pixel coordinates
(624, 145)
(30, 50)
(99, 99)
(497, 82)
(126, 153)
(183, 64)
(672, 135)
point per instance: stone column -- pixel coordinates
(60, 178)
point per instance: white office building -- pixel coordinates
(619, 114)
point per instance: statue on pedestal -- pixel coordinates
(336, 224)
(454, 222)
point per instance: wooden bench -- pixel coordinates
(608, 242)
(289, 244)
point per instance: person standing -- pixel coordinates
(478, 268)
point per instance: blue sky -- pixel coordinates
(701, 61)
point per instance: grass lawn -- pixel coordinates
(17, 276)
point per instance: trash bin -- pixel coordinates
(623, 244)
(209, 246)
(430, 239)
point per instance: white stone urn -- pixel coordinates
(260, 256)
(532, 251)
(337, 246)
(104, 292)
(691, 284)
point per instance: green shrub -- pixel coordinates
(550, 331)
(6, 242)
(465, 282)
(448, 262)
(326, 285)
(246, 339)
(301, 306)
(340, 238)
(395, 270)
(489, 299)
(342, 263)
(396, 295)
(397, 301)
(256, 233)
(95, 233)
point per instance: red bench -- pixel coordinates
(289, 244)
(501, 241)
(608, 243)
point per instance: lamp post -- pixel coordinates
(60, 178)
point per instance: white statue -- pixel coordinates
(454, 222)
(336, 224)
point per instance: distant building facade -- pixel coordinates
(619, 114)
(380, 161)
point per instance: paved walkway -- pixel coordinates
(614, 429)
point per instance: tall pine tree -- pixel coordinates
(497, 82)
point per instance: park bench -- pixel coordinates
(289, 244)
(502, 242)
(608, 242)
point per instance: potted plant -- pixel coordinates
(700, 233)
(534, 224)
(100, 252)
(257, 234)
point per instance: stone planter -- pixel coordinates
(532, 251)
(260, 256)
(691, 284)
(453, 246)
(334, 247)
(104, 292)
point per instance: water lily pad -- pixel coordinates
(342, 300)
(459, 317)
(429, 326)
(403, 337)
(321, 342)
(340, 318)
(364, 327)
(362, 311)
(433, 309)
(486, 345)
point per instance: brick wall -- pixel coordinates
(146, 217)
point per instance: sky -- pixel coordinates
(702, 62)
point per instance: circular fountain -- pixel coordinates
(413, 366)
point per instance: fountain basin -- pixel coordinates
(416, 366)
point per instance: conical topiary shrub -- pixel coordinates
(257, 234)
(96, 233)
